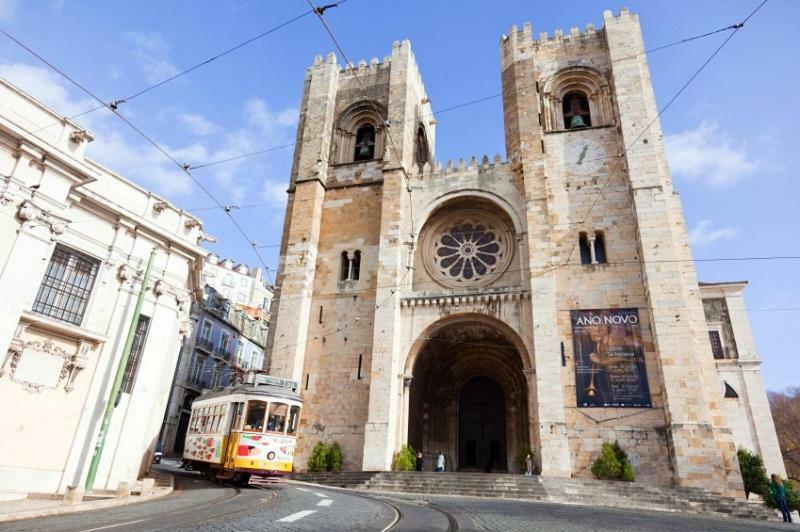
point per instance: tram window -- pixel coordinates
(294, 415)
(215, 419)
(238, 414)
(277, 417)
(256, 412)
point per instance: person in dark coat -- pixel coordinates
(779, 494)
(419, 463)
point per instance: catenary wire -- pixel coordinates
(192, 68)
(183, 167)
(478, 100)
(736, 28)
(625, 149)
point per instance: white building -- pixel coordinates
(239, 283)
(74, 241)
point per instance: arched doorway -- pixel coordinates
(468, 395)
(481, 425)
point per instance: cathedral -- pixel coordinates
(482, 308)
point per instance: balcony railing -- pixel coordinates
(206, 344)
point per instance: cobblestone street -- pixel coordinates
(200, 505)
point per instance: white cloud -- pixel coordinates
(704, 233)
(8, 10)
(122, 152)
(274, 191)
(197, 124)
(707, 154)
(151, 51)
(45, 86)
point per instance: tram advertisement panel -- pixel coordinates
(609, 359)
(204, 447)
(265, 451)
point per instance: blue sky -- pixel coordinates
(732, 135)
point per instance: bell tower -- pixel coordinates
(606, 229)
(346, 243)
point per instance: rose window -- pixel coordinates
(467, 250)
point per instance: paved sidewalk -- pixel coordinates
(44, 505)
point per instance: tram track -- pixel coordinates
(168, 516)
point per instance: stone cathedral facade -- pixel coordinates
(546, 301)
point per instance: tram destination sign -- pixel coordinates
(609, 359)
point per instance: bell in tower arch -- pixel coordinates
(576, 111)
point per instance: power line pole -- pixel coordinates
(123, 362)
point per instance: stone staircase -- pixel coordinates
(560, 490)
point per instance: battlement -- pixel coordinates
(462, 167)
(517, 38)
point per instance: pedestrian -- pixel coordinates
(419, 463)
(779, 494)
(440, 462)
(528, 464)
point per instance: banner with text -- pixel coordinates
(609, 359)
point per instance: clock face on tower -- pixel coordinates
(583, 156)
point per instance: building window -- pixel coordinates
(583, 245)
(716, 344)
(132, 367)
(196, 372)
(422, 152)
(365, 143)
(730, 393)
(359, 134)
(576, 111)
(66, 286)
(224, 341)
(350, 267)
(599, 247)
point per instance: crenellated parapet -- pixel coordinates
(471, 166)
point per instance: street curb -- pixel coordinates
(88, 506)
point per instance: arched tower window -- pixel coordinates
(574, 98)
(421, 150)
(355, 266)
(344, 267)
(576, 110)
(585, 249)
(365, 143)
(359, 134)
(600, 247)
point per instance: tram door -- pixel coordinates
(481, 425)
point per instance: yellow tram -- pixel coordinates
(244, 430)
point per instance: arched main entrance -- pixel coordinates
(468, 395)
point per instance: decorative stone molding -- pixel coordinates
(160, 206)
(160, 288)
(461, 299)
(467, 248)
(126, 273)
(37, 365)
(192, 223)
(81, 135)
(29, 212)
(585, 80)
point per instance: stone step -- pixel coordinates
(570, 490)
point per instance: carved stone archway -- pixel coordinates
(443, 368)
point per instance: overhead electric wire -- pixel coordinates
(183, 167)
(483, 98)
(626, 149)
(145, 90)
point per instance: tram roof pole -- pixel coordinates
(123, 362)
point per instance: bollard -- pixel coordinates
(123, 489)
(73, 495)
(147, 486)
